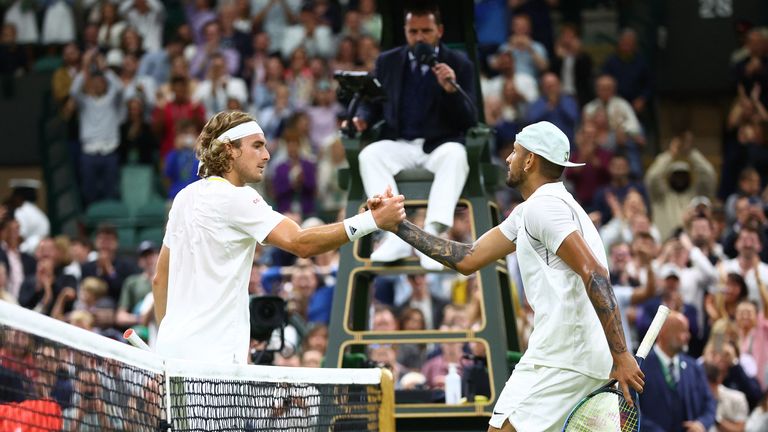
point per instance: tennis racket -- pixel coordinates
(605, 409)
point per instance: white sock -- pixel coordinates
(434, 228)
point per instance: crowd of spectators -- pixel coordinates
(137, 80)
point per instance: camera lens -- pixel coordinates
(267, 311)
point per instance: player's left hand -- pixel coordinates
(444, 75)
(627, 372)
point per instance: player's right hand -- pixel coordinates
(390, 213)
(627, 372)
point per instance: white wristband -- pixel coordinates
(360, 225)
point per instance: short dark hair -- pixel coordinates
(178, 80)
(423, 9)
(747, 172)
(107, 229)
(620, 154)
(701, 216)
(750, 228)
(550, 169)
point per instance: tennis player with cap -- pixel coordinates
(577, 341)
(201, 284)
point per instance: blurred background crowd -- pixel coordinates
(133, 82)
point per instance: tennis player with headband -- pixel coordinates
(201, 285)
(577, 340)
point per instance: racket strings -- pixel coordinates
(604, 412)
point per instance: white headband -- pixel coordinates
(240, 131)
(237, 132)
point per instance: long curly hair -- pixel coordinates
(213, 153)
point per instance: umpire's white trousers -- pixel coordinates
(382, 160)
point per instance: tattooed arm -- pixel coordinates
(575, 252)
(462, 257)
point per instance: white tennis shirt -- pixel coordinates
(212, 232)
(567, 333)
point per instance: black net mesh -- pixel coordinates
(48, 386)
(230, 405)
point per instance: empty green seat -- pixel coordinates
(137, 185)
(153, 213)
(107, 211)
(154, 234)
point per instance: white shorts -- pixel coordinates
(539, 398)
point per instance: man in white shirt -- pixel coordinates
(98, 94)
(219, 86)
(504, 63)
(578, 340)
(146, 16)
(33, 222)
(309, 33)
(201, 285)
(747, 263)
(621, 116)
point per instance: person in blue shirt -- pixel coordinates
(555, 107)
(181, 163)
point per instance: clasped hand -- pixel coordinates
(388, 209)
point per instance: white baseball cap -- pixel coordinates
(547, 141)
(669, 270)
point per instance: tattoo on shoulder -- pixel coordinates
(446, 252)
(604, 301)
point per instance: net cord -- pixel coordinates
(272, 374)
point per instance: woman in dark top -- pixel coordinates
(137, 142)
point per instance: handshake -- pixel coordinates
(388, 210)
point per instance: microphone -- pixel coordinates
(425, 55)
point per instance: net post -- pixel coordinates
(387, 407)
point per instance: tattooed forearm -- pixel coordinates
(604, 301)
(446, 252)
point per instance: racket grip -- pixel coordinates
(653, 331)
(135, 340)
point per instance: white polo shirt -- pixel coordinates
(212, 232)
(567, 333)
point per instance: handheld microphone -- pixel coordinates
(425, 54)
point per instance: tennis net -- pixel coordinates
(54, 376)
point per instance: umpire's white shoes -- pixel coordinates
(392, 248)
(428, 263)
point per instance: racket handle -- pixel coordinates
(653, 331)
(135, 340)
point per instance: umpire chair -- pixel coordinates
(349, 327)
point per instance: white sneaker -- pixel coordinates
(428, 263)
(393, 248)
